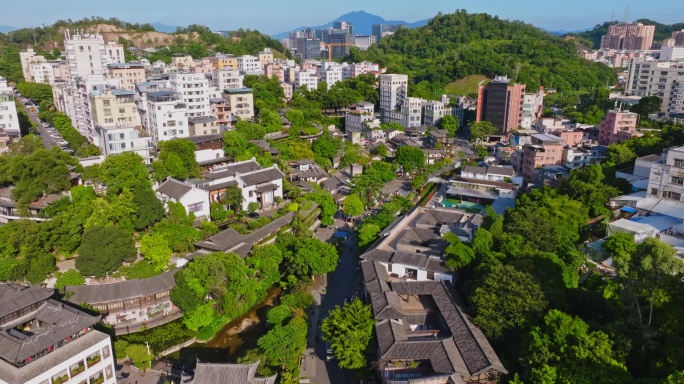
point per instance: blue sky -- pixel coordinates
(273, 16)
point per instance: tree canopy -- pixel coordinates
(349, 329)
(103, 249)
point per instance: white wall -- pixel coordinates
(209, 154)
(195, 196)
(64, 367)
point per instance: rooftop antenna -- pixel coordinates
(612, 17)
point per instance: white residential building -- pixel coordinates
(434, 111)
(330, 72)
(649, 77)
(86, 54)
(42, 73)
(258, 185)
(167, 116)
(227, 78)
(306, 79)
(140, 98)
(118, 138)
(45, 341)
(83, 119)
(666, 178)
(195, 200)
(393, 90)
(249, 65)
(359, 117)
(27, 58)
(194, 90)
(411, 112)
(9, 121)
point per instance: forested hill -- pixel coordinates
(662, 31)
(455, 45)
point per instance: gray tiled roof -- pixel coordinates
(57, 322)
(213, 373)
(230, 170)
(474, 169)
(262, 176)
(205, 138)
(500, 170)
(471, 345)
(13, 375)
(123, 290)
(15, 297)
(174, 188)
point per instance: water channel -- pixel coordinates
(235, 337)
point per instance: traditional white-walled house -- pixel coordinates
(194, 199)
(258, 185)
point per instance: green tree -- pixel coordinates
(103, 249)
(368, 232)
(450, 123)
(619, 154)
(233, 197)
(125, 170)
(457, 254)
(277, 315)
(327, 205)
(481, 130)
(349, 330)
(139, 356)
(68, 278)
(587, 185)
(253, 206)
(418, 181)
(217, 212)
(646, 106)
(265, 260)
(620, 246)
(410, 158)
(149, 209)
(307, 256)
(283, 345)
(648, 273)
(563, 350)
(185, 150)
(505, 300)
(353, 206)
(156, 250)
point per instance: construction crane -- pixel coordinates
(330, 45)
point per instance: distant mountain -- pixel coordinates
(361, 21)
(563, 32)
(159, 27)
(5, 29)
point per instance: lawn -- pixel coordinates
(465, 86)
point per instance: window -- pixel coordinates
(672, 195)
(195, 207)
(677, 180)
(654, 191)
(679, 163)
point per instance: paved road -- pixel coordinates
(341, 285)
(48, 141)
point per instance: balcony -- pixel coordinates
(94, 359)
(77, 369)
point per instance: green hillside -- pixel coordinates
(456, 45)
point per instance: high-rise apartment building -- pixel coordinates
(115, 106)
(393, 90)
(86, 54)
(9, 121)
(629, 37)
(501, 104)
(649, 77)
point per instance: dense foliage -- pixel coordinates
(456, 45)
(349, 329)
